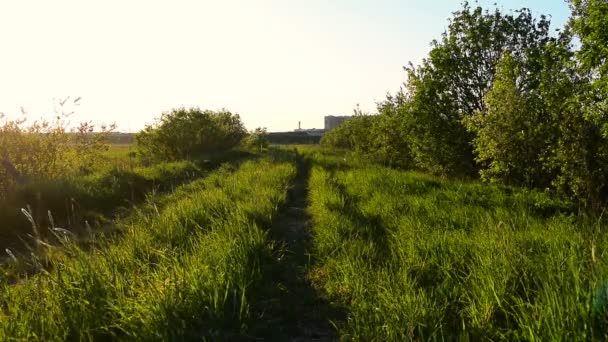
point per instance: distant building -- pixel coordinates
(332, 121)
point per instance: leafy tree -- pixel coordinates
(338, 137)
(352, 134)
(582, 151)
(515, 135)
(452, 82)
(589, 21)
(381, 137)
(498, 94)
(257, 139)
(389, 133)
(189, 133)
(439, 142)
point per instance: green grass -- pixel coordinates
(119, 156)
(184, 272)
(94, 197)
(395, 256)
(413, 257)
(74, 200)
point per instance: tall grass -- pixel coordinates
(47, 150)
(185, 272)
(413, 257)
(95, 197)
(74, 200)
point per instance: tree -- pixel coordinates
(582, 151)
(390, 134)
(353, 134)
(452, 82)
(381, 138)
(190, 133)
(514, 135)
(257, 139)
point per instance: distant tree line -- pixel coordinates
(501, 98)
(287, 138)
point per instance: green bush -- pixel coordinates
(452, 81)
(190, 133)
(382, 137)
(45, 150)
(514, 135)
(257, 139)
(352, 134)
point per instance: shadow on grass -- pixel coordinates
(364, 226)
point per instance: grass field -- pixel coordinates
(410, 256)
(303, 243)
(184, 271)
(117, 183)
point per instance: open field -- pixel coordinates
(306, 243)
(466, 204)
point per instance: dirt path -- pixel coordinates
(295, 311)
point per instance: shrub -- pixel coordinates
(514, 135)
(46, 150)
(382, 138)
(190, 133)
(257, 139)
(352, 134)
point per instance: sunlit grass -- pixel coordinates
(405, 255)
(416, 257)
(183, 272)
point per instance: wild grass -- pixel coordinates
(407, 256)
(95, 197)
(120, 157)
(74, 200)
(183, 272)
(413, 257)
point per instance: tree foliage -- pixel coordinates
(582, 153)
(190, 133)
(452, 83)
(381, 137)
(352, 134)
(257, 139)
(514, 135)
(501, 97)
(48, 149)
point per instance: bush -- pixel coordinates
(46, 150)
(515, 133)
(353, 134)
(382, 138)
(190, 133)
(257, 139)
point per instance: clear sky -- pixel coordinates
(275, 62)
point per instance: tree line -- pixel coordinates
(504, 97)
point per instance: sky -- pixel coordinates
(274, 62)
